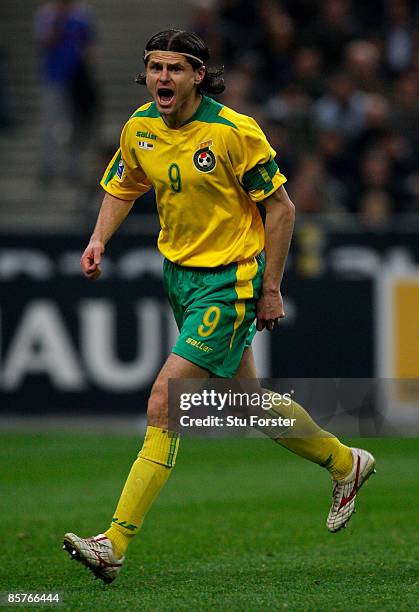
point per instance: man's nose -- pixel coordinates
(164, 75)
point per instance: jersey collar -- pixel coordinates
(198, 114)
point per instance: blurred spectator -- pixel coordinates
(240, 81)
(343, 107)
(374, 210)
(276, 45)
(333, 150)
(411, 186)
(405, 110)
(375, 173)
(399, 36)
(400, 151)
(238, 19)
(292, 107)
(206, 21)
(376, 122)
(316, 192)
(376, 170)
(280, 140)
(64, 30)
(308, 71)
(363, 62)
(405, 165)
(239, 93)
(334, 28)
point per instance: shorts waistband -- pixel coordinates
(206, 270)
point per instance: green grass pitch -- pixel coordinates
(239, 526)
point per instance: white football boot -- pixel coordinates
(95, 553)
(344, 491)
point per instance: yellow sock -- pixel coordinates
(147, 476)
(313, 443)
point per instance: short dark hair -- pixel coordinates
(182, 41)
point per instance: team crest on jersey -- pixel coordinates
(204, 159)
(120, 170)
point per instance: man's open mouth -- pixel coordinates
(165, 96)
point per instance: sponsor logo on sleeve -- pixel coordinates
(120, 170)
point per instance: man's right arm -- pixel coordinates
(112, 213)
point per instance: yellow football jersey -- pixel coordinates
(208, 176)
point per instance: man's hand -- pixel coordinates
(91, 258)
(269, 309)
(112, 213)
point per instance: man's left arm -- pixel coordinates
(279, 225)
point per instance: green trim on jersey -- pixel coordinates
(151, 112)
(114, 168)
(260, 177)
(209, 112)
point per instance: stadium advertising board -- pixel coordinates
(83, 347)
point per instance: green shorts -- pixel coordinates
(215, 312)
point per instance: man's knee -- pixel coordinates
(157, 409)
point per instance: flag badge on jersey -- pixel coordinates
(204, 159)
(145, 145)
(120, 171)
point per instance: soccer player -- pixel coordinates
(209, 166)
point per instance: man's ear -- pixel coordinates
(199, 75)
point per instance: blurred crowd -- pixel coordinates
(64, 31)
(335, 85)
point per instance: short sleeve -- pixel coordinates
(253, 160)
(124, 178)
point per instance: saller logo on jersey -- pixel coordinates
(204, 159)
